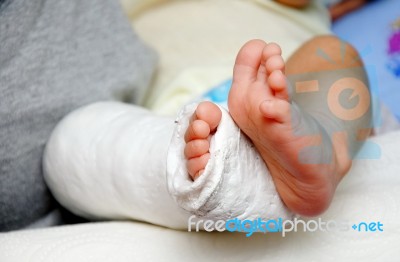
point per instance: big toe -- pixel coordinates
(248, 61)
(209, 113)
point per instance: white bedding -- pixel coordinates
(368, 193)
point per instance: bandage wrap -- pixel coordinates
(235, 183)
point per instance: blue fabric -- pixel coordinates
(373, 30)
(219, 94)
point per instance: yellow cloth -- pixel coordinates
(198, 40)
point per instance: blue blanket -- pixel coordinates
(375, 31)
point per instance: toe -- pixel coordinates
(276, 109)
(275, 62)
(248, 62)
(204, 121)
(196, 165)
(277, 82)
(198, 129)
(269, 50)
(209, 113)
(196, 148)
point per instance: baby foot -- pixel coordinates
(203, 124)
(259, 103)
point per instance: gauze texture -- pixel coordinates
(109, 160)
(236, 182)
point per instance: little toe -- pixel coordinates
(277, 82)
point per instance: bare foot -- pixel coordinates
(203, 124)
(259, 104)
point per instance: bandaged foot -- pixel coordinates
(227, 178)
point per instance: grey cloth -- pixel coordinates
(55, 56)
(1, 3)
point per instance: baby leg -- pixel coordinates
(307, 140)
